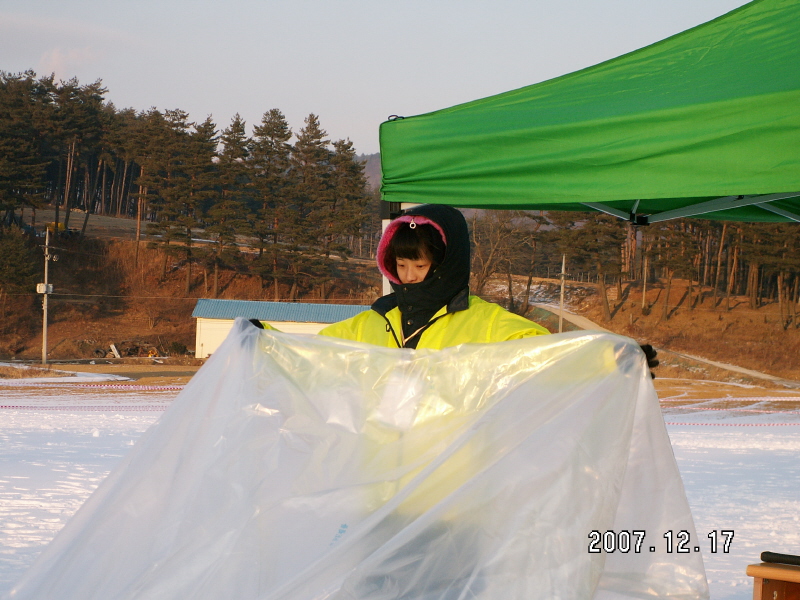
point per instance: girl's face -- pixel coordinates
(412, 270)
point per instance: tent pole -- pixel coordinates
(779, 211)
(561, 304)
(726, 203)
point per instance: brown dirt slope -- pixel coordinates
(102, 299)
(756, 339)
(104, 296)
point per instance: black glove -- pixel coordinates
(650, 354)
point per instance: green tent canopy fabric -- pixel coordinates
(704, 123)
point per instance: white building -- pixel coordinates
(215, 318)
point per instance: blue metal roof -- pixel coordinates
(297, 312)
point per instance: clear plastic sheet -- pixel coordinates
(304, 467)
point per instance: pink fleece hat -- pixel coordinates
(390, 271)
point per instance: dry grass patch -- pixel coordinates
(9, 372)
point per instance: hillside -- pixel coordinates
(750, 338)
(372, 169)
(104, 295)
(102, 298)
(755, 339)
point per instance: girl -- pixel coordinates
(425, 254)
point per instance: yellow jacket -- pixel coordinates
(481, 322)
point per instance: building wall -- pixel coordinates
(211, 332)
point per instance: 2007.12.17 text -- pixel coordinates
(633, 541)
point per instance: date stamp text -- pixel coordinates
(680, 542)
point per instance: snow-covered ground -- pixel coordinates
(741, 471)
(738, 457)
(57, 442)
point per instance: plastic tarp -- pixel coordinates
(306, 467)
(710, 112)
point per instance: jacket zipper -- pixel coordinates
(390, 329)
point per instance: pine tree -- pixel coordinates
(18, 262)
(78, 130)
(202, 185)
(164, 183)
(22, 167)
(234, 172)
(596, 241)
(227, 215)
(347, 211)
(309, 220)
(121, 140)
(312, 186)
(269, 167)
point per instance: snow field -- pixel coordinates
(744, 479)
(54, 454)
(738, 459)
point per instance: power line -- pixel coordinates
(287, 300)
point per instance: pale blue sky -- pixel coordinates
(352, 62)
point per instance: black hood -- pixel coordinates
(418, 302)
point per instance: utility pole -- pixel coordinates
(45, 289)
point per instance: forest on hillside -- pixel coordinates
(298, 199)
(718, 260)
(290, 208)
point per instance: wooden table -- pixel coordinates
(774, 581)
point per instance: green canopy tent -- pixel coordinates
(705, 123)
